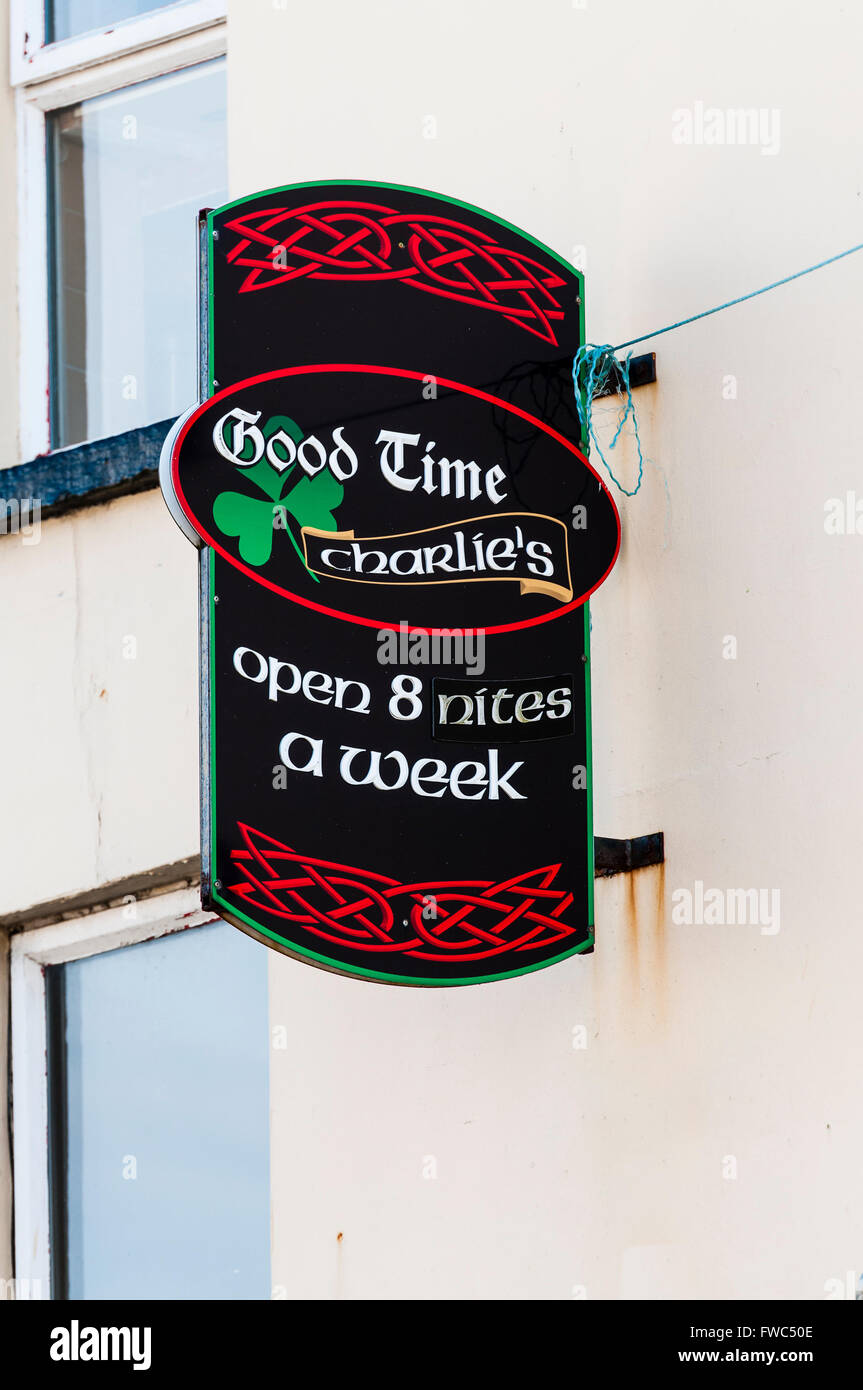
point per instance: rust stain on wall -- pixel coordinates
(660, 938)
(643, 940)
(629, 907)
(630, 965)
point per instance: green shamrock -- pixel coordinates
(311, 501)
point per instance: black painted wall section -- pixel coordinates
(89, 473)
(125, 463)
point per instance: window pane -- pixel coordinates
(63, 18)
(164, 1083)
(129, 172)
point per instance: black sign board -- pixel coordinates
(399, 535)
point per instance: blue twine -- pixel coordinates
(595, 366)
(601, 367)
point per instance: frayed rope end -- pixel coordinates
(595, 369)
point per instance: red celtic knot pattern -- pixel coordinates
(472, 919)
(368, 241)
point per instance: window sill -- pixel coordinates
(85, 475)
(32, 60)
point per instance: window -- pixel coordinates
(128, 172)
(156, 1180)
(121, 140)
(64, 18)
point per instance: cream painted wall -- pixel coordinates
(602, 1169)
(100, 701)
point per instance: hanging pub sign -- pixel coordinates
(398, 537)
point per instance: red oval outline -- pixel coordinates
(378, 371)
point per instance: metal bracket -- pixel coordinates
(642, 371)
(622, 856)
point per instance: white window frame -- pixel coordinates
(47, 78)
(31, 59)
(31, 951)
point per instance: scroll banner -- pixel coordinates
(513, 546)
(399, 534)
